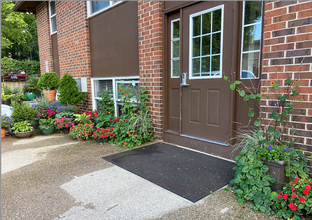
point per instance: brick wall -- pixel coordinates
(73, 42)
(150, 58)
(44, 38)
(287, 45)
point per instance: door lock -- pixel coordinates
(183, 84)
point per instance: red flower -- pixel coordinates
(306, 192)
(292, 188)
(114, 120)
(285, 196)
(279, 196)
(294, 195)
(101, 136)
(110, 120)
(290, 205)
(301, 199)
(294, 208)
(308, 187)
(120, 90)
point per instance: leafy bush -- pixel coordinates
(7, 91)
(22, 112)
(45, 124)
(32, 86)
(103, 133)
(49, 81)
(83, 119)
(31, 67)
(22, 126)
(69, 91)
(107, 110)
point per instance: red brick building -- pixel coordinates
(157, 44)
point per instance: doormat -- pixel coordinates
(189, 174)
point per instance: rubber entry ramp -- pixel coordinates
(189, 174)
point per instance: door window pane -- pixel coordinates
(53, 24)
(52, 8)
(206, 44)
(196, 25)
(216, 25)
(251, 42)
(175, 48)
(98, 5)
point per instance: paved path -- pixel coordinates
(56, 177)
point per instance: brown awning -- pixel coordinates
(24, 6)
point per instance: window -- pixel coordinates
(52, 17)
(206, 38)
(175, 48)
(251, 40)
(113, 84)
(95, 7)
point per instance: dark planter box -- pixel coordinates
(7, 102)
(277, 171)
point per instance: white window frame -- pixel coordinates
(242, 44)
(191, 42)
(51, 16)
(89, 8)
(114, 83)
(171, 42)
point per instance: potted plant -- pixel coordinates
(5, 122)
(46, 126)
(49, 83)
(31, 89)
(81, 131)
(103, 135)
(69, 91)
(64, 123)
(22, 129)
(6, 99)
(22, 112)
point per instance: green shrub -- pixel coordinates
(8, 91)
(49, 81)
(22, 126)
(69, 92)
(107, 110)
(32, 86)
(31, 67)
(22, 112)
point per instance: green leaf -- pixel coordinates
(275, 115)
(241, 93)
(252, 96)
(232, 86)
(245, 169)
(257, 123)
(226, 78)
(277, 134)
(237, 82)
(276, 86)
(246, 98)
(251, 114)
(288, 81)
(227, 190)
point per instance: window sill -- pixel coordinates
(105, 9)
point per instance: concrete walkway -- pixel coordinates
(56, 177)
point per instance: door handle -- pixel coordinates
(183, 84)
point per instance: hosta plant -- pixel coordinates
(22, 126)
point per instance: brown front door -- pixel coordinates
(203, 102)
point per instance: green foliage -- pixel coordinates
(18, 33)
(65, 114)
(6, 97)
(22, 112)
(22, 126)
(7, 91)
(135, 126)
(45, 124)
(83, 119)
(69, 91)
(31, 67)
(107, 110)
(49, 81)
(295, 200)
(32, 86)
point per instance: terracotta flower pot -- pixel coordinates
(50, 94)
(3, 131)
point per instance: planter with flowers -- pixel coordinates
(46, 126)
(269, 142)
(5, 122)
(81, 131)
(64, 124)
(22, 129)
(103, 135)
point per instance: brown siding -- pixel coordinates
(55, 55)
(114, 41)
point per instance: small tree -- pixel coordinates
(49, 81)
(69, 92)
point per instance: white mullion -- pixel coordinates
(115, 96)
(248, 25)
(200, 44)
(210, 63)
(250, 51)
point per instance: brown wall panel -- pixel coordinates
(55, 54)
(173, 5)
(114, 41)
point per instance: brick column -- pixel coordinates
(44, 38)
(150, 58)
(73, 42)
(286, 51)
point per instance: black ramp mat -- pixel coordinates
(189, 174)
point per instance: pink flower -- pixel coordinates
(291, 183)
(290, 205)
(292, 188)
(301, 199)
(306, 192)
(294, 195)
(61, 126)
(279, 196)
(308, 187)
(285, 196)
(41, 110)
(66, 125)
(294, 208)
(38, 115)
